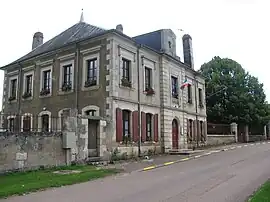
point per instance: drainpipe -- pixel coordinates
(139, 100)
(76, 84)
(19, 94)
(196, 110)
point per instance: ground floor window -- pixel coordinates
(149, 125)
(45, 122)
(126, 125)
(26, 123)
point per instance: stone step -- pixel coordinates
(183, 151)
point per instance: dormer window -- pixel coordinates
(170, 44)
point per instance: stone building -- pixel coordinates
(129, 85)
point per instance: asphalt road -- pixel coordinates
(229, 176)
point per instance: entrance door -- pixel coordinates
(92, 138)
(175, 133)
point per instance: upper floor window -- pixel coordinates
(67, 77)
(28, 85)
(148, 78)
(200, 98)
(174, 87)
(46, 82)
(13, 89)
(91, 72)
(126, 72)
(189, 94)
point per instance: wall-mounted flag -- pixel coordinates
(186, 83)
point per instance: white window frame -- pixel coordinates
(24, 82)
(40, 120)
(84, 72)
(8, 120)
(150, 65)
(41, 79)
(61, 79)
(9, 86)
(128, 55)
(31, 121)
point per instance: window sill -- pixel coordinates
(60, 92)
(126, 87)
(96, 87)
(45, 96)
(12, 101)
(28, 98)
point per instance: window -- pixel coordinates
(67, 82)
(26, 123)
(28, 86)
(149, 127)
(148, 79)
(46, 83)
(170, 44)
(11, 124)
(126, 125)
(126, 80)
(13, 89)
(189, 94)
(174, 87)
(91, 73)
(200, 98)
(90, 112)
(45, 122)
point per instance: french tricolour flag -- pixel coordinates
(186, 83)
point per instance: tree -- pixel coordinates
(232, 94)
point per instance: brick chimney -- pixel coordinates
(37, 40)
(119, 28)
(188, 51)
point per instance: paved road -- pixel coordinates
(226, 176)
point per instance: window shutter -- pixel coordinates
(119, 125)
(143, 125)
(156, 127)
(135, 123)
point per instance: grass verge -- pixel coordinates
(263, 194)
(24, 182)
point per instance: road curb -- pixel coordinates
(201, 155)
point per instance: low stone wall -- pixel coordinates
(220, 139)
(256, 138)
(30, 150)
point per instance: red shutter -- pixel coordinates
(135, 123)
(143, 127)
(156, 127)
(119, 125)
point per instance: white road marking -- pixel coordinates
(245, 145)
(251, 144)
(263, 143)
(239, 146)
(198, 156)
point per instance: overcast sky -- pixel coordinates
(237, 29)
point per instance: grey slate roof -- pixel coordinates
(77, 32)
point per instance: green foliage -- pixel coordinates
(232, 94)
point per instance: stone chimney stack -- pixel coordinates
(188, 51)
(119, 28)
(37, 40)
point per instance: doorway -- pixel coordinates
(92, 138)
(175, 133)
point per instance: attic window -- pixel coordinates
(170, 44)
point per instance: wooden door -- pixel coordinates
(92, 138)
(175, 133)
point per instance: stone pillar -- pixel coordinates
(246, 133)
(265, 132)
(234, 131)
(268, 132)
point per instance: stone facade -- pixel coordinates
(109, 94)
